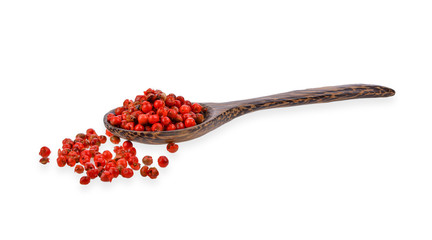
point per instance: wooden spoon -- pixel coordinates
(220, 113)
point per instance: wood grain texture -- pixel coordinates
(220, 113)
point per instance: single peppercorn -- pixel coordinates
(127, 145)
(147, 160)
(79, 169)
(190, 122)
(144, 171)
(93, 173)
(107, 155)
(153, 173)
(184, 109)
(115, 139)
(108, 133)
(44, 151)
(102, 139)
(90, 131)
(84, 180)
(172, 147)
(127, 172)
(163, 161)
(44, 160)
(106, 176)
(196, 108)
(61, 161)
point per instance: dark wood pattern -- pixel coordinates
(221, 113)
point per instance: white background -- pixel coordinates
(357, 169)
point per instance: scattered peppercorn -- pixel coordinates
(172, 147)
(127, 173)
(44, 152)
(147, 160)
(84, 180)
(79, 169)
(144, 171)
(153, 111)
(153, 173)
(44, 160)
(163, 161)
(115, 139)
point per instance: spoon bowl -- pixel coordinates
(218, 114)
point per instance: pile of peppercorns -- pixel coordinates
(156, 111)
(153, 111)
(83, 154)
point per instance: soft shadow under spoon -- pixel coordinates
(221, 113)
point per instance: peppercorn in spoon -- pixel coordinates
(217, 114)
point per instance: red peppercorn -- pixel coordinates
(90, 131)
(179, 125)
(44, 151)
(92, 173)
(146, 107)
(84, 180)
(172, 147)
(95, 141)
(107, 155)
(79, 169)
(154, 118)
(147, 160)
(102, 139)
(139, 127)
(94, 149)
(171, 127)
(181, 99)
(106, 176)
(127, 173)
(108, 133)
(163, 161)
(61, 161)
(67, 141)
(99, 160)
(70, 162)
(189, 122)
(130, 126)
(159, 104)
(88, 166)
(115, 121)
(114, 171)
(109, 116)
(80, 135)
(199, 118)
(153, 173)
(143, 119)
(44, 160)
(135, 166)
(177, 103)
(184, 109)
(132, 151)
(127, 145)
(115, 139)
(172, 113)
(178, 118)
(165, 121)
(144, 171)
(162, 112)
(196, 108)
(122, 162)
(170, 101)
(119, 110)
(157, 127)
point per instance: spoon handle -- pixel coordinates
(308, 96)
